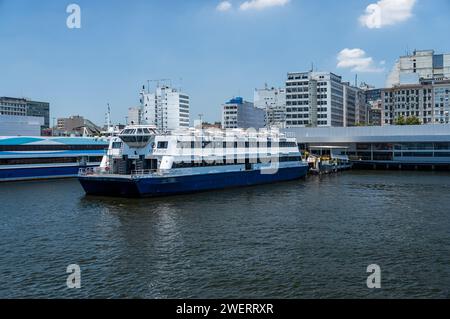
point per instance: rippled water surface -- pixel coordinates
(304, 239)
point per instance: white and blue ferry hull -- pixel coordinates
(173, 185)
(40, 173)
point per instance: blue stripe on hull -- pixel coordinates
(148, 187)
(16, 174)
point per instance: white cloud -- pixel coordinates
(224, 6)
(357, 60)
(387, 12)
(262, 4)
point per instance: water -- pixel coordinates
(311, 238)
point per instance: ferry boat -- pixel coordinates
(142, 162)
(29, 158)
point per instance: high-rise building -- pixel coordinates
(166, 108)
(362, 108)
(408, 101)
(321, 99)
(350, 98)
(429, 101)
(238, 113)
(134, 116)
(441, 96)
(39, 109)
(273, 101)
(374, 104)
(25, 107)
(420, 65)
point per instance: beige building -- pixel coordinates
(70, 124)
(407, 101)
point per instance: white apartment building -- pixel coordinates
(314, 99)
(273, 101)
(420, 65)
(134, 116)
(350, 99)
(166, 108)
(238, 113)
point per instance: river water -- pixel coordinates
(310, 238)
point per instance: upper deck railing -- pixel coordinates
(98, 171)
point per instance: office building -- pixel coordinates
(374, 104)
(273, 101)
(321, 99)
(238, 113)
(25, 107)
(13, 106)
(418, 66)
(413, 100)
(350, 100)
(76, 125)
(166, 108)
(39, 109)
(134, 116)
(441, 96)
(70, 124)
(20, 125)
(314, 99)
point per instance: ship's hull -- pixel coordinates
(164, 186)
(38, 173)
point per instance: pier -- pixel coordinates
(417, 147)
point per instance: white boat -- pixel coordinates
(144, 162)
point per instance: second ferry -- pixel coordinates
(142, 162)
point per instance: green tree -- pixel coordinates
(400, 121)
(412, 120)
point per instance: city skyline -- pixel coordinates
(218, 49)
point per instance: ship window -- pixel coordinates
(95, 159)
(117, 145)
(31, 161)
(163, 144)
(18, 148)
(129, 139)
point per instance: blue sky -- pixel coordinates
(212, 54)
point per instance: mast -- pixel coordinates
(108, 117)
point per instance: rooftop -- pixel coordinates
(372, 134)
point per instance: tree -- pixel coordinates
(400, 121)
(412, 120)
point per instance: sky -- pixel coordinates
(212, 50)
